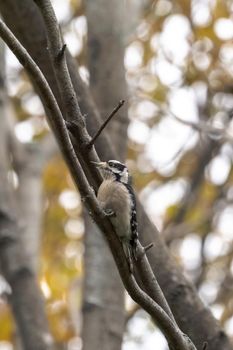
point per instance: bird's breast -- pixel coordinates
(114, 195)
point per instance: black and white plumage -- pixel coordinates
(116, 197)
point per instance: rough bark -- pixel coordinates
(190, 313)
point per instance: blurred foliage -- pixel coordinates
(198, 58)
(6, 321)
(194, 221)
(61, 261)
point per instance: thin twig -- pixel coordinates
(120, 104)
(61, 53)
(149, 246)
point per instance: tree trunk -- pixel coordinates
(103, 313)
(25, 298)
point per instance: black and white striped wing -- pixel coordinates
(133, 219)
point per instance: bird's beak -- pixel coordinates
(101, 165)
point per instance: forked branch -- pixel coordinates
(176, 339)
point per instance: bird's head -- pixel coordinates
(114, 168)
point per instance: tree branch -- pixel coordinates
(61, 53)
(56, 47)
(120, 104)
(63, 78)
(67, 93)
(149, 280)
(174, 336)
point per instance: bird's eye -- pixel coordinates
(110, 163)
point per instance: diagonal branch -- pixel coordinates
(149, 280)
(174, 336)
(111, 115)
(69, 99)
(63, 79)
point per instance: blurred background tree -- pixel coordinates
(178, 68)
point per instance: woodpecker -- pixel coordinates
(117, 199)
